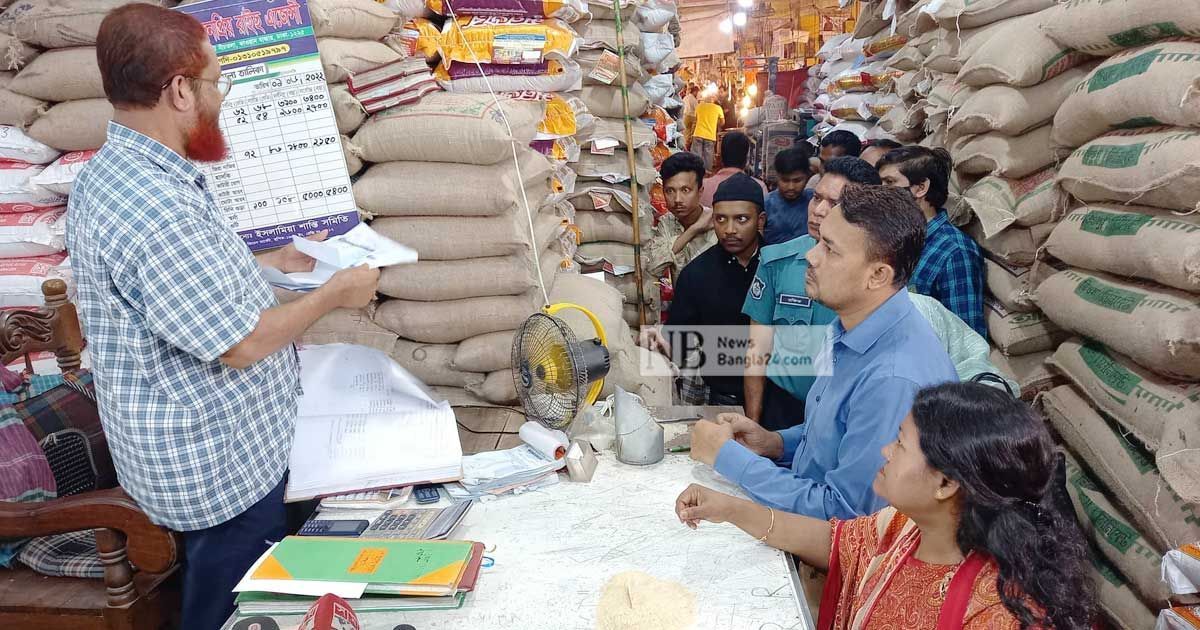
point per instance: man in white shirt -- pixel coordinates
(690, 102)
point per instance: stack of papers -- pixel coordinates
(365, 423)
(376, 575)
(360, 246)
(369, 500)
(515, 470)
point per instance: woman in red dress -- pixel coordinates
(977, 535)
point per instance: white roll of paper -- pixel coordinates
(550, 443)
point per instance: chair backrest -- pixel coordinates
(54, 328)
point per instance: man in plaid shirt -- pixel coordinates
(951, 266)
(195, 368)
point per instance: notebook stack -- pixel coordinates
(373, 575)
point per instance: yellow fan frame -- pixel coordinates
(593, 393)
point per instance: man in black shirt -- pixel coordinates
(710, 289)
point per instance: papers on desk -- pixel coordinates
(366, 423)
(515, 470)
(360, 246)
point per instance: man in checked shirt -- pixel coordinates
(195, 368)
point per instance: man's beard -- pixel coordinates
(205, 142)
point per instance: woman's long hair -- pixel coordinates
(1000, 453)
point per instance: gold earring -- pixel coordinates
(939, 494)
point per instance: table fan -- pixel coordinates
(556, 374)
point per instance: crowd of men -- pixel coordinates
(853, 290)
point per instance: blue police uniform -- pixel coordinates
(778, 298)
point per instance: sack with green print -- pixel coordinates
(1112, 533)
(1009, 285)
(1105, 27)
(1000, 202)
(1016, 53)
(1124, 466)
(1142, 401)
(1114, 597)
(1151, 324)
(1004, 156)
(1011, 110)
(1135, 241)
(1156, 166)
(1018, 334)
(1144, 87)
(1029, 371)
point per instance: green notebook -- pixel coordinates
(250, 604)
(400, 567)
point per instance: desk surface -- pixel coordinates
(556, 548)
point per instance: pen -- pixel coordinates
(680, 449)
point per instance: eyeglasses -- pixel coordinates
(224, 84)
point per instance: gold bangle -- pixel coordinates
(770, 527)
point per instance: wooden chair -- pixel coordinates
(126, 599)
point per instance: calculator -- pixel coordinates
(427, 494)
(323, 527)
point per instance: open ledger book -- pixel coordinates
(364, 423)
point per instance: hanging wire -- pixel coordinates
(537, 263)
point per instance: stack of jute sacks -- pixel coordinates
(913, 87)
(53, 89)
(603, 196)
(1124, 275)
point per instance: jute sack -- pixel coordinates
(1000, 202)
(905, 123)
(1158, 167)
(488, 352)
(615, 167)
(445, 127)
(1124, 467)
(1115, 598)
(870, 21)
(1014, 111)
(342, 58)
(351, 19)
(57, 23)
(1179, 457)
(1018, 334)
(67, 74)
(1105, 27)
(353, 163)
(605, 100)
(1029, 371)
(609, 226)
(1136, 241)
(74, 125)
(437, 280)
(947, 95)
(14, 53)
(1010, 286)
(454, 320)
(1153, 325)
(498, 388)
(346, 109)
(962, 14)
(1008, 156)
(955, 46)
(628, 288)
(430, 362)
(1142, 401)
(452, 238)
(386, 189)
(908, 59)
(1018, 54)
(589, 58)
(1117, 538)
(16, 110)
(599, 253)
(1145, 87)
(352, 326)
(607, 197)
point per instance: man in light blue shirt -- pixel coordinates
(879, 353)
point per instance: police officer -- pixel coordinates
(787, 327)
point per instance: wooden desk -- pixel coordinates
(556, 548)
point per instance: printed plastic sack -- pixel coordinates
(17, 191)
(507, 40)
(552, 75)
(33, 233)
(15, 145)
(1181, 569)
(565, 10)
(561, 117)
(417, 38)
(21, 278)
(60, 176)
(656, 47)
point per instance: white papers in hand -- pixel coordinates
(360, 246)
